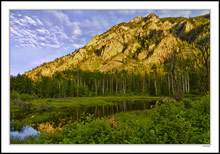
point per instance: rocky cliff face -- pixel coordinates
(140, 42)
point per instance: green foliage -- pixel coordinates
(132, 25)
(14, 95)
(21, 84)
(193, 59)
(192, 35)
(14, 108)
(28, 140)
(24, 96)
(83, 90)
(27, 97)
(187, 103)
(168, 122)
(86, 117)
(154, 37)
(17, 124)
(180, 124)
(173, 19)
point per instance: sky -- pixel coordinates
(38, 36)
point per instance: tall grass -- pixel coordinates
(169, 122)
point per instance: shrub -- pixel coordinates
(14, 95)
(23, 97)
(187, 103)
(168, 122)
(26, 97)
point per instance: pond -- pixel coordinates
(23, 133)
(75, 115)
(101, 110)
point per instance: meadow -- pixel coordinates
(162, 121)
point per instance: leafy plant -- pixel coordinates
(168, 122)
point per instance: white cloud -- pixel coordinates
(42, 44)
(13, 31)
(203, 12)
(25, 36)
(100, 23)
(42, 31)
(39, 22)
(87, 23)
(41, 61)
(19, 22)
(26, 45)
(181, 13)
(96, 22)
(63, 36)
(165, 13)
(77, 31)
(77, 45)
(127, 12)
(30, 20)
(52, 30)
(42, 38)
(79, 12)
(53, 45)
(12, 16)
(64, 20)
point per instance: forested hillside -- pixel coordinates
(146, 56)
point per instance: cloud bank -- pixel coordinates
(53, 30)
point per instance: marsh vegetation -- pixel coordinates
(154, 121)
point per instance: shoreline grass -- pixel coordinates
(185, 122)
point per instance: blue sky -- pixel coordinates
(38, 36)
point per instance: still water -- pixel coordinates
(25, 132)
(97, 111)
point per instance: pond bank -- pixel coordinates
(63, 111)
(170, 122)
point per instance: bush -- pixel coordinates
(24, 97)
(14, 95)
(168, 122)
(83, 90)
(195, 92)
(17, 124)
(187, 103)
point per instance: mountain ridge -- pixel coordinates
(141, 42)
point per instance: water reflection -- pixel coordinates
(64, 116)
(25, 132)
(101, 111)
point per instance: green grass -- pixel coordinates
(77, 102)
(185, 122)
(63, 108)
(30, 140)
